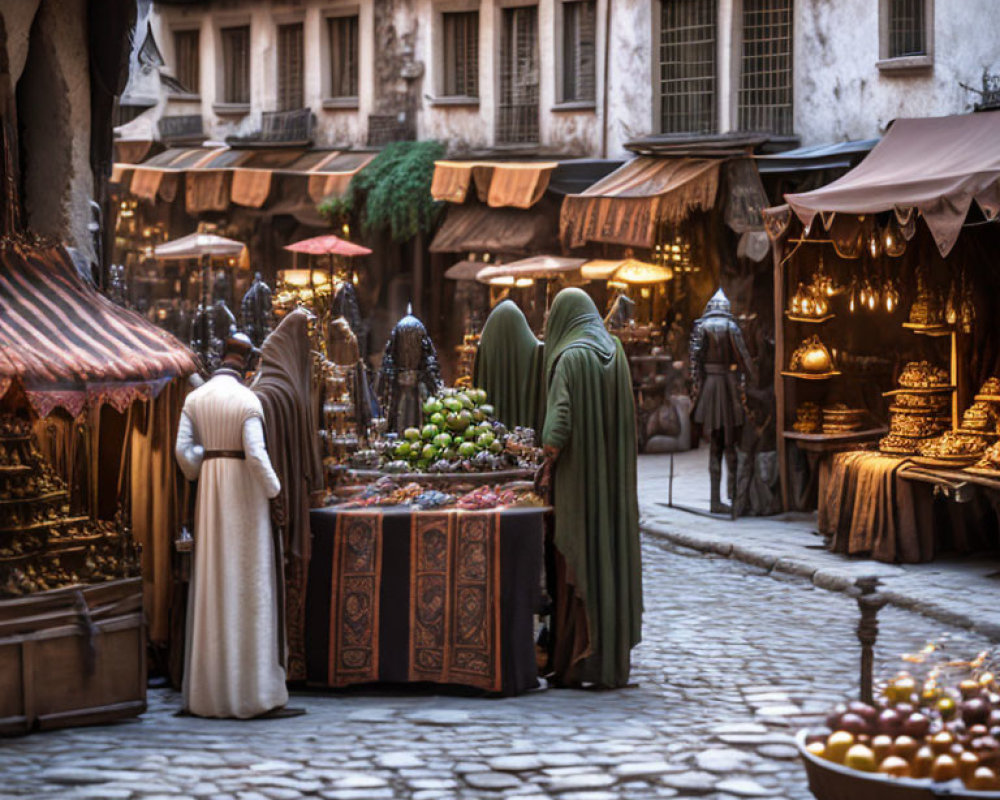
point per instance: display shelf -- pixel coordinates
(812, 376)
(929, 330)
(15, 469)
(809, 320)
(823, 442)
(47, 523)
(987, 398)
(970, 432)
(942, 412)
(920, 390)
(41, 498)
(946, 463)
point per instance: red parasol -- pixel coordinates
(328, 245)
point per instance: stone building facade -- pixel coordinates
(534, 76)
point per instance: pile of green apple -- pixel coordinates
(459, 434)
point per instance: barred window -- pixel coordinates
(461, 54)
(518, 57)
(343, 33)
(579, 45)
(236, 64)
(290, 65)
(187, 64)
(765, 95)
(907, 28)
(688, 67)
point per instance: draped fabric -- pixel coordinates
(206, 191)
(499, 184)
(628, 206)
(590, 418)
(284, 387)
(938, 166)
(509, 367)
(157, 497)
(251, 187)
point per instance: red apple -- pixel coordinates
(916, 725)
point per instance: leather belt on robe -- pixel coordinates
(224, 454)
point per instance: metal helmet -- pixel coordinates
(719, 304)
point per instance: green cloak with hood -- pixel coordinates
(590, 418)
(509, 367)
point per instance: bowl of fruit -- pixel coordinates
(917, 740)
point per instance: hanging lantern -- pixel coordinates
(852, 303)
(874, 242)
(893, 241)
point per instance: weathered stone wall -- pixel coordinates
(840, 92)
(48, 53)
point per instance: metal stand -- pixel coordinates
(869, 603)
(701, 512)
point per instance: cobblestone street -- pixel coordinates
(732, 662)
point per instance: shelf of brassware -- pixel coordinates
(808, 320)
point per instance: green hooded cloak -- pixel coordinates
(590, 417)
(509, 367)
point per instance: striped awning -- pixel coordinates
(69, 346)
(629, 205)
(215, 177)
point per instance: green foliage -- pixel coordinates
(393, 193)
(336, 209)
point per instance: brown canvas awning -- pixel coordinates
(629, 205)
(936, 166)
(477, 228)
(499, 184)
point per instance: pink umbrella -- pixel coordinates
(328, 245)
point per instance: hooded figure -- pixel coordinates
(590, 444)
(283, 385)
(509, 367)
(717, 351)
(409, 374)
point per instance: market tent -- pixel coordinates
(936, 167)
(69, 346)
(628, 206)
(626, 270)
(840, 155)
(476, 228)
(328, 245)
(196, 245)
(536, 268)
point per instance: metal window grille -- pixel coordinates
(907, 28)
(579, 45)
(765, 96)
(290, 65)
(518, 106)
(688, 67)
(461, 54)
(343, 56)
(187, 69)
(236, 64)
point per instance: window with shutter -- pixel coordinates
(236, 64)
(579, 45)
(461, 54)
(290, 66)
(343, 32)
(517, 121)
(688, 66)
(765, 95)
(187, 66)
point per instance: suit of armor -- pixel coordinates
(718, 354)
(409, 374)
(255, 311)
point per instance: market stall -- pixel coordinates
(399, 595)
(89, 395)
(886, 343)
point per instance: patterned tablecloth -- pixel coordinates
(397, 596)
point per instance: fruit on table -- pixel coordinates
(984, 780)
(429, 431)
(817, 749)
(916, 725)
(402, 450)
(411, 434)
(945, 768)
(437, 418)
(968, 763)
(941, 742)
(432, 406)
(442, 441)
(429, 453)
(922, 762)
(882, 747)
(466, 449)
(946, 707)
(905, 747)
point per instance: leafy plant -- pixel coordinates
(393, 193)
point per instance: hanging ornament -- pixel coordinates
(874, 242)
(893, 240)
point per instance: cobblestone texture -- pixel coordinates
(733, 661)
(957, 590)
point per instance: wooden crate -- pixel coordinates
(74, 656)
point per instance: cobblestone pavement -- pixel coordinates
(958, 590)
(733, 661)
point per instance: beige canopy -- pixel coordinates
(536, 267)
(936, 167)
